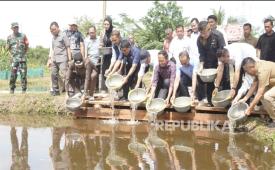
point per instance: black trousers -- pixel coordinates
(206, 89)
(185, 82)
(105, 65)
(162, 88)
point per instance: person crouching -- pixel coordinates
(81, 75)
(163, 78)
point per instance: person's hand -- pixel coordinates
(125, 80)
(149, 98)
(66, 97)
(136, 86)
(106, 74)
(192, 99)
(167, 102)
(215, 91)
(172, 99)
(200, 69)
(248, 110)
(232, 93)
(243, 100)
(49, 62)
(236, 100)
(83, 98)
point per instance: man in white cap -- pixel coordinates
(76, 39)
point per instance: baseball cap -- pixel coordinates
(14, 24)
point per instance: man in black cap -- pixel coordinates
(81, 75)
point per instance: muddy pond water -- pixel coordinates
(90, 144)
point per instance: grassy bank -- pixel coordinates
(258, 130)
(32, 104)
(34, 110)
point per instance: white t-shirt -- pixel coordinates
(178, 45)
(239, 51)
(194, 51)
(246, 84)
(153, 63)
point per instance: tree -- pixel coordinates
(37, 56)
(84, 23)
(160, 17)
(4, 56)
(127, 25)
(235, 20)
(256, 31)
(220, 14)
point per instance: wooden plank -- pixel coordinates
(212, 109)
(141, 115)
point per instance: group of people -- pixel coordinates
(247, 67)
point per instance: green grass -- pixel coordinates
(261, 132)
(33, 104)
(34, 84)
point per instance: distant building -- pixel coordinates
(234, 32)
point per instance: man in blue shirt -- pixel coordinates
(128, 65)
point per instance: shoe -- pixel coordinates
(210, 105)
(122, 99)
(91, 98)
(11, 91)
(271, 125)
(55, 93)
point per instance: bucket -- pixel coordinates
(208, 75)
(182, 104)
(137, 95)
(114, 82)
(236, 112)
(221, 99)
(156, 105)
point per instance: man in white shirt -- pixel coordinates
(116, 50)
(234, 54)
(179, 44)
(194, 52)
(91, 46)
(146, 63)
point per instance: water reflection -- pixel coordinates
(19, 155)
(91, 145)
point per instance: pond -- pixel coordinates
(90, 144)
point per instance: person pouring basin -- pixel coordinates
(264, 71)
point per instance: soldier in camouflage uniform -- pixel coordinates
(17, 44)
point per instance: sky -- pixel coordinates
(34, 17)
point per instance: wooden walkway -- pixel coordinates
(100, 109)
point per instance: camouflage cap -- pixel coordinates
(14, 24)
